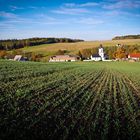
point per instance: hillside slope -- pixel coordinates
(74, 47)
(48, 50)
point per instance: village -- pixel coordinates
(99, 56)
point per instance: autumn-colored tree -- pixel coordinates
(120, 53)
(80, 54)
(135, 50)
(94, 50)
(33, 57)
(36, 57)
(86, 53)
(3, 54)
(110, 54)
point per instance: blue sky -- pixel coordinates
(83, 19)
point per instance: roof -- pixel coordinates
(96, 55)
(105, 55)
(17, 57)
(101, 46)
(64, 56)
(136, 55)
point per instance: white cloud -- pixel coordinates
(13, 8)
(88, 4)
(122, 4)
(7, 14)
(69, 4)
(71, 11)
(108, 4)
(90, 21)
(41, 19)
(32, 7)
(74, 8)
(120, 13)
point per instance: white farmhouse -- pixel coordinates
(96, 57)
(20, 58)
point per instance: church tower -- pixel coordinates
(101, 52)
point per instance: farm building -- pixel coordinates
(100, 56)
(64, 58)
(19, 58)
(96, 57)
(134, 56)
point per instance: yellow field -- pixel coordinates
(74, 47)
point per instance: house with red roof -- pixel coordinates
(134, 56)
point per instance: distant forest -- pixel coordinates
(21, 43)
(126, 37)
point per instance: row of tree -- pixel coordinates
(16, 44)
(126, 37)
(112, 52)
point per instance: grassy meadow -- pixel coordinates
(81, 100)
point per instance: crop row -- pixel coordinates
(68, 102)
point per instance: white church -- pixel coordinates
(101, 56)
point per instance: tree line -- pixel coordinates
(114, 52)
(11, 44)
(126, 37)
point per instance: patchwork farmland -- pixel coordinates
(93, 100)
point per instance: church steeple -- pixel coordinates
(101, 52)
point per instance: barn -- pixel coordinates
(64, 58)
(134, 56)
(96, 57)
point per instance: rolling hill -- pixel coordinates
(72, 48)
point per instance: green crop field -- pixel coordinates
(81, 100)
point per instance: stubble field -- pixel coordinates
(75, 47)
